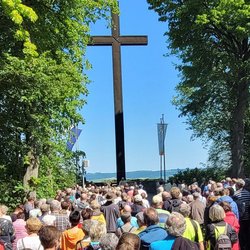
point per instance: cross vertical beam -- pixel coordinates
(116, 41)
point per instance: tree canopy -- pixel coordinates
(43, 85)
(212, 40)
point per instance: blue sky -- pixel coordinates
(149, 79)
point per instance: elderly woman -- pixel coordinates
(175, 226)
(232, 220)
(32, 241)
(193, 229)
(217, 227)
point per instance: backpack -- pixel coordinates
(223, 242)
(175, 205)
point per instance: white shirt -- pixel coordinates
(33, 243)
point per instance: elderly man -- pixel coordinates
(62, 220)
(175, 226)
(157, 203)
(153, 232)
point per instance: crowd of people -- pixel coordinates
(207, 216)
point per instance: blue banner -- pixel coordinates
(74, 135)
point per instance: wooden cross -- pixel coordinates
(116, 41)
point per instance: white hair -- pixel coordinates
(49, 220)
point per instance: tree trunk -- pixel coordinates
(238, 130)
(32, 169)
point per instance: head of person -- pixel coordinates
(86, 213)
(49, 220)
(240, 184)
(196, 195)
(65, 205)
(138, 199)
(97, 230)
(216, 213)
(50, 237)
(157, 201)
(190, 198)
(3, 209)
(86, 225)
(185, 210)
(74, 218)
(140, 219)
(176, 224)
(126, 217)
(175, 192)
(95, 205)
(160, 190)
(33, 225)
(20, 215)
(226, 206)
(229, 191)
(45, 208)
(127, 208)
(55, 206)
(150, 216)
(108, 241)
(129, 241)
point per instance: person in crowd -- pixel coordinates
(175, 227)
(83, 243)
(18, 209)
(97, 230)
(210, 202)
(50, 237)
(133, 221)
(176, 201)
(7, 233)
(128, 241)
(217, 227)
(49, 220)
(141, 223)
(29, 205)
(20, 228)
(224, 193)
(3, 212)
(108, 241)
(62, 219)
(45, 209)
(145, 202)
(82, 202)
(31, 241)
(97, 214)
(36, 211)
(232, 220)
(243, 196)
(193, 230)
(138, 205)
(157, 203)
(197, 209)
(127, 227)
(153, 232)
(71, 236)
(111, 213)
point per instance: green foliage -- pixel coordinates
(215, 174)
(212, 40)
(42, 89)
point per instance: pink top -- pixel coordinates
(20, 231)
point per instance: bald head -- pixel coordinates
(127, 208)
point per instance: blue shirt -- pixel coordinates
(133, 222)
(163, 244)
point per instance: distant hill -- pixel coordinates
(142, 174)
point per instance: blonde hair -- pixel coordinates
(33, 225)
(97, 230)
(4, 209)
(216, 213)
(175, 192)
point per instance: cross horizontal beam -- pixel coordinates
(122, 40)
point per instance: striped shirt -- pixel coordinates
(244, 197)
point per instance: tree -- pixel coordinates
(43, 85)
(212, 40)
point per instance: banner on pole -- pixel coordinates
(162, 129)
(74, 135)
